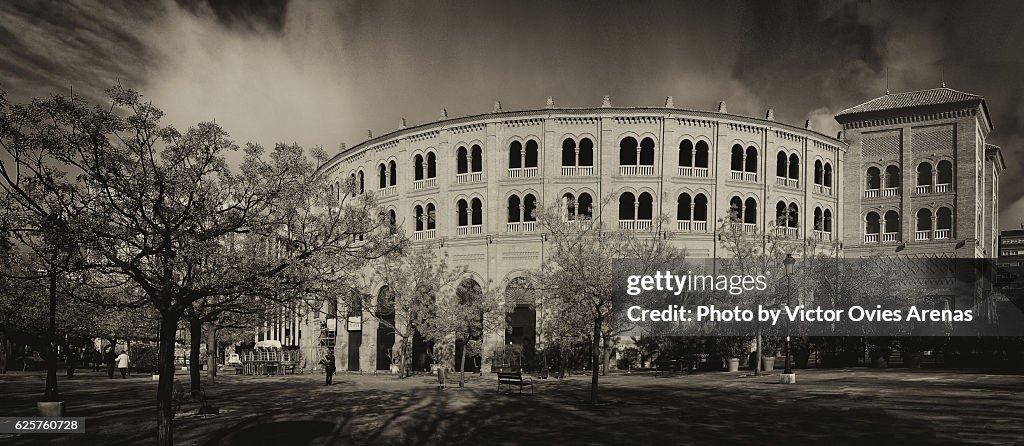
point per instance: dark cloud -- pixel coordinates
(324, 72)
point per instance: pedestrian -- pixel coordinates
(122, 363)
(328, 363)
(97, 360)
(108, 360)
(71, 358)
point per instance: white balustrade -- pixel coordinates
(921, 235)
(687, 171)
(871, 193)
(891, 192)
(871, 238)
(890, 236)
(923, 189)
(943, 188)
(522, 226)
(943, 234)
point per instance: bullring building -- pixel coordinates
(910, 174)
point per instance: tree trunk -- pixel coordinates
(605, 358)
(462, 365)
(211, 351)
(406, 353)
(595, 360)
(757, 355)
(3, 351)
(165, 387)
(195, 364)
(51, 393)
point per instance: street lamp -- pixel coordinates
(789, 264)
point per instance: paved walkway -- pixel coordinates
(834, 406)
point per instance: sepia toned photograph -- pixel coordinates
(228, 222)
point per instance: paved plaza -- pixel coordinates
(836, 406)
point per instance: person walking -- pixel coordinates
(71, 358)
(122, 363)
(328, 363)
(108, 360)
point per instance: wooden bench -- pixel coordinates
(510, 379)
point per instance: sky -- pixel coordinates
(325, 73)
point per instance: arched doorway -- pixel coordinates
(468, 293)
(354, 328)
(385, 327)
(521, 332)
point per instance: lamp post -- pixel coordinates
(789, 263)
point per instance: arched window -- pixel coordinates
(924, 220)
(750, 211)
(462, 160)
(892, 176)
(874, 179)
(828, 220)
(568, 152)
(892, 222)
(627, 151)
(463, 209)
(393, 219)
(794, 216)
(477, 216)
(683, 207)
(736, 209)
(515, 155)
(352, 184)
(751, 162)
(781, 165)
(627, 206)
(431, 216)
(529, 207)
(431, 165)
(531, 154)
(647, 152)
(736, 164)
(701, 155)
(476, 159)
(827, 177)
(945, 173)
(362, 182)
(569, 206)
(686, 153)
(943, 218)
(513, 209)
(700, 208)
(794, 167)
(586, 152)
(584, 206)
(393, 167)
(382, 175)
(871, 223)
(818, 220)
(417, 167)
(645, 210)
(420, 218)
(780, 214)
(819, 172)
(924, 174)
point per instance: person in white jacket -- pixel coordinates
(122, 363)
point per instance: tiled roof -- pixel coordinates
(918, 98)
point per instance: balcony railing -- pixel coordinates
(923, 189)
(943, 234)
(748, 228)
(822, 235)
(687, 171)
(522, 226)
(470, 230)
(922, 235)
(692, 226)
(636, 170)
(386, 192)
(890, 237)
(787, 232)
(943, 188)
(743, 176)
(429, 234)
(871, 193)
(472, 177)
(577, 171)
(871, 238)
(580, 225)
(891, 192)
(424, 184)
(787, 182)
(635, 225)
(523, 172)
(822, 189)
